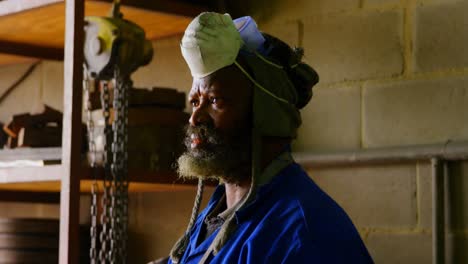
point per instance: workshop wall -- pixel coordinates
(393, 73)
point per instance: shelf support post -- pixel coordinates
(71, 135)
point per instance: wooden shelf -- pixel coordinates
(31, 174)
(48, 178)
(47, 29)
(45, 154)
(40, 25)
(85, 186)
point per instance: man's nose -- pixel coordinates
(199, 116)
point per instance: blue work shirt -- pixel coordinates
(291, 220)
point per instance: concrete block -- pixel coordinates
(377, 196)
(380, 3)
(157, 220)
(167, 69)
(287, 31)
(399, 248)
(268, 10)
(415, 112)
(52, 81)
(332, 120)
(357, 46)
(455, 202)
(440, 37)
(26, 96)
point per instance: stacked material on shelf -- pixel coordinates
(35, 130)
(3, 136)
(34, 241)
(29, 240)
(155, 128)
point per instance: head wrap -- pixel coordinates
(203, 48)
(282, 86)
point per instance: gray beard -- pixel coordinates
(221, 160)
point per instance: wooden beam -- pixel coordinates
(31, 50)
(71, 134)
(46, 154)
(31, 174)
(29, 197)
(8, 7)
(176, 7)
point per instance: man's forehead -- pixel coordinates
(202, 85)
(219, 81)
(228, 79)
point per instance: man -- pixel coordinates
(247, 89)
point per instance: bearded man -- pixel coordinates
(247, 90)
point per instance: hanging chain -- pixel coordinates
(115, 74)
(127, 84)
(114, 217)
(104, 238)
(92, 153)
(119, 168)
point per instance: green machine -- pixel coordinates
(113, 41)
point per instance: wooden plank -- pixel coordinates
(31, 154)
(42, 29)
(71, 137)
(31, 50)
(29, 197)
(53, 188)
(156, 24)
(8, 7)
(30, 241)
(27, 256)
(140, 175)
(31, 174)
(27, 226)
(176, 7)
(8, 59)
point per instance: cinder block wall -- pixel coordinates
(393, 73)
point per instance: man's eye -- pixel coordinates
(216, 100)
(194, 103)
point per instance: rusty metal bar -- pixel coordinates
(438, 211)
(449, 151)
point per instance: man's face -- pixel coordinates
(218, 135)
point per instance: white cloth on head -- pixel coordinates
(211, 42)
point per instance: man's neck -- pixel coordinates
(235, 192)
(271, 148)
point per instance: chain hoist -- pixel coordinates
(114, 48)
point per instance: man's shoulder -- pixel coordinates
(295, 192)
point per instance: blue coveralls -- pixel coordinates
(291, 220)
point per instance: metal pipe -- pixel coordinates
(448, 151)
(438, 154)
(438, 214)
(448, 198)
